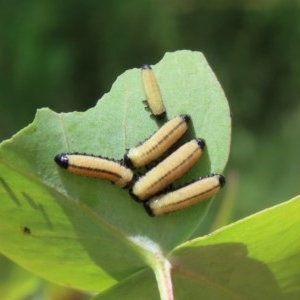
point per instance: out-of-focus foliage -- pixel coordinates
(15, 282)
(66, 54)
(18, 284)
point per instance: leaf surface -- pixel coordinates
(259, 255)
(75, 230)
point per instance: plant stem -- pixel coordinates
(162, 271)
(161, 267)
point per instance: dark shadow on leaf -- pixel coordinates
(223, 271)
(10, 192)
(30, 201)
(38, 207)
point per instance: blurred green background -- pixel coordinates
(66, 54)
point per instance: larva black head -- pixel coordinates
(186, 118)
(146, 67)
(222, 180)
(127, 161)
(62, 160)
(148, 209)
(201, 143)
(160, 116)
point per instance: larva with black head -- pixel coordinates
(185, 196)
(96, 166)
(158, 143)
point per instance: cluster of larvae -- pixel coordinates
(153, 188)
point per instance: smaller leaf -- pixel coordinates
(257, 257)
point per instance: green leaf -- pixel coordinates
(255, 258)
(78, 231)
(15, 282)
